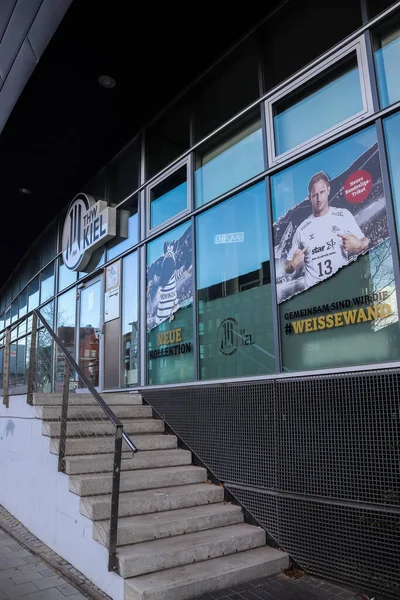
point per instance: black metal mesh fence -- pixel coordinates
(316, 460)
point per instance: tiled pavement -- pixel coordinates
(30, 570)
(24, 575)
(283, 587)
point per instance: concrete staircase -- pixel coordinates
(177, 537)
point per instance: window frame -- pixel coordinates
(359, 47)
(186, 162)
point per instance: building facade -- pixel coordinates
(238, 263)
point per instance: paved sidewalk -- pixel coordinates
(24, 575)
(283, 587)
(30, 570)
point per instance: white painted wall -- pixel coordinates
(32, 489)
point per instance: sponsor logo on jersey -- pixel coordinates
(306, 224)
(338, 213)
(331, 244)
(318, 249)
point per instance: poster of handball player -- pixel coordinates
(338, 220)
(170, 276)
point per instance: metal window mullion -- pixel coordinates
(196, 337)
(274, 296)
(369, 53)
(387, 188)
(142, 380)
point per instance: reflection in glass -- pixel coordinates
(168, 198)
(66, 314)
(349, 316)
(392, 132)
(131, 209)
(387, 56)
(235, 158)
(23, 309)
(123, 172)
(234, 288)
(89, 331)
(66, 277)
(47, 283)
(170, 307)
(319, 105)
(33, 300)
(130, 320)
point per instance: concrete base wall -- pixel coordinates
(32, 489)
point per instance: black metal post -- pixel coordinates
(6, 371)
(32, 373)
(64, 418)
(112, 548)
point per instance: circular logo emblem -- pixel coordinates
(73, 251)
(227, 336)
(358, 186)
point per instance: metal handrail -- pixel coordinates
(70, 364)
(103, 405)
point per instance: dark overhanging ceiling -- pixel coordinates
(64, 126)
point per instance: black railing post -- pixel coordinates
(64, 418)
(6, 370)
(32, 373)
(112, 549)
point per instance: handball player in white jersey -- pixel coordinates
(327, 239)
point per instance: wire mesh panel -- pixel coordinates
(316, 460)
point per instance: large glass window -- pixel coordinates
(130, 213)
(33, 299)
(234, 287)
(387, 57)
(392, 131)
(334, 271)
(170, 307)
(66, 314)
(167, 138)
(375, 7)
(299, 32)
(229, 160)
(130, 320)
(330, 97)
(168, 197)
(48, 245)
(66, 277)
(232, 86)
(123, 173)
(47, 283)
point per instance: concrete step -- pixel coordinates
(97, 463)
(97, 508)
(132, 530)
(87, 485)
(88, 428)
(53, 413)
(192, 581)
(105, 444)
(149, 557)
(112, 399)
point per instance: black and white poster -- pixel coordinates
(169, 275)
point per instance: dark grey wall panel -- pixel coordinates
(21, 19)
(47, 20)
(26, 27)
(6, 9)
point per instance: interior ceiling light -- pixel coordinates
(107, 82)
(24, 191)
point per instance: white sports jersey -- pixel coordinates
(325, 253)
(167, 300)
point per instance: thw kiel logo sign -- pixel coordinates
(88, 225)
